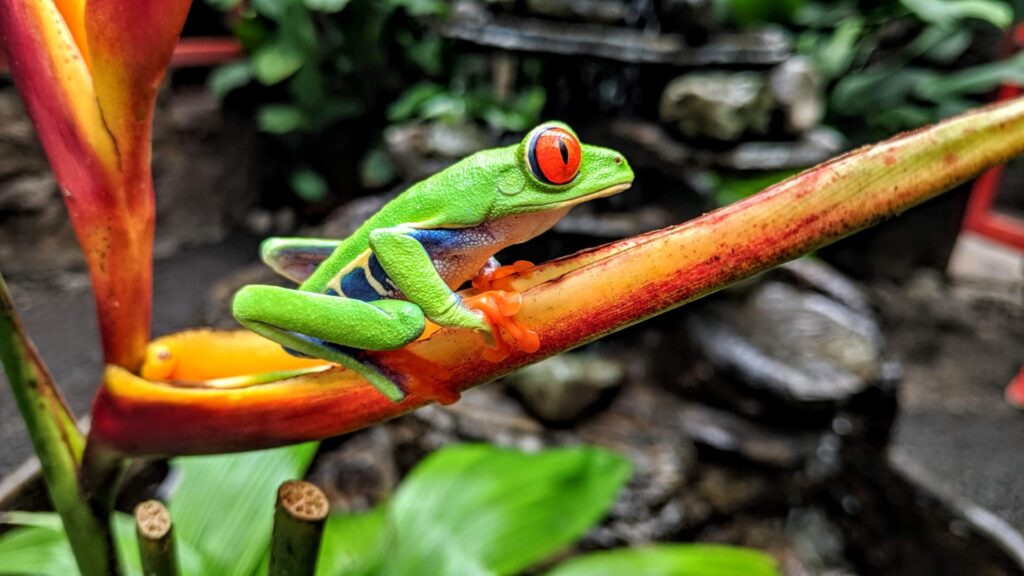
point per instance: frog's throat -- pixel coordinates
(602, 193)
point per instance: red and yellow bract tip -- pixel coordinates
(88, 73)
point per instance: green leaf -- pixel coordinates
(671, 560)
(308, 185)
(866, 92)
(974, 80)
(837, 54)
(223, 5)
(730, 188)
(479, 509)
(280, 119)
(273, 63)
(950, 47)
(947, 13)
(350, 539)
(423, 7)
(228, 77)
(411, 101)
(329, 6)
(751, 12)
(223, 506)
(39, 547)
(272, 9)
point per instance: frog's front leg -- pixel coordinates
(330, 327)
(412, 271)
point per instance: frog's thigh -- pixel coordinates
(380, 325)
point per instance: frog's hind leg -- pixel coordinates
(333, 328)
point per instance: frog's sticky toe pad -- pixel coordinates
(499, 308)
(500, 277)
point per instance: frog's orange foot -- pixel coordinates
(499, 278)
(499, 308)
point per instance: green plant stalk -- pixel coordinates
(155, 534)
(299, 519)
(57, 441)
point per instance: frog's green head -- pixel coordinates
(552, 169)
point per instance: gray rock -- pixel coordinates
(809, 149)
(345, 219)
(588, 221)
(719, 105)
(564, 387)
(695, 19)
(420, 149)
(470, 22)
(797, 347)
(361, 472)
(726, 433)
(730, 491)
(205, 170)
(813, 273)
(797, 87)
(598, 11)
(29, 193)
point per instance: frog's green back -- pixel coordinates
(458, 197)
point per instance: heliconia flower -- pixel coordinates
(215, 402)
(88, 72)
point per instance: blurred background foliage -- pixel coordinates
(317, 66)
(318, 71)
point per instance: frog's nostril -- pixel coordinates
(617, 160)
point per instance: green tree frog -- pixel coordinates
(376, 289)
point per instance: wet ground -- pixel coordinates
(957, 355)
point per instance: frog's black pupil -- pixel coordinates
(564, 150)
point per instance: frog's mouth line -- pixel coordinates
(602, 193)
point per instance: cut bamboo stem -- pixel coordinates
(298, 527)
(156, 539)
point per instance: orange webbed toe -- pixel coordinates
(499, 308)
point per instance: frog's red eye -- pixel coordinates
(553, 155)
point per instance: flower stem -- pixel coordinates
(57, 441)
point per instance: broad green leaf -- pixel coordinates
(946, 13)
(280, 119)
(350, 539)
(479, 509)
(38, 547)
(671, 560)
(223, 506)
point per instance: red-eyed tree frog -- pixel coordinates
(375, 289)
